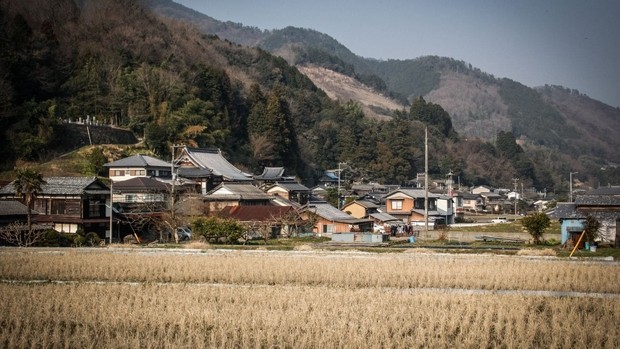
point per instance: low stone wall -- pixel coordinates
(73, 136)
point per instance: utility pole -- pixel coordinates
(339, 170)
(426, 180)
(111, 207)
(515, 181)
(172, 196)
(571, 185)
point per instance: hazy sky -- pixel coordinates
(573, 43)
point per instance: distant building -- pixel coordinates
(69, 203)
(138, 166)
(208, 168)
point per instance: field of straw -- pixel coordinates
(148, 298)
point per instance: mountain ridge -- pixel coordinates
(480, 104)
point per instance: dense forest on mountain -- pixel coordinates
(116, 62)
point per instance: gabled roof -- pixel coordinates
(12, 208)
(213, 160)
(290, 186)
(413, 193)
(140, 184)
(565, 210)
(329, 212)
(280, 201)
(271, 173)
(363, 203)
(65, 186)
(237, 191)
(256, 213)
(384, 217)
(138, 160)
(468, 196)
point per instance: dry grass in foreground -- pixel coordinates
(347, 269)
(198, 316)
(305, 299)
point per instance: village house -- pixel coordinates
(360, 208)
(270, 176)
(275, 221)
(13, 211)
(208, 168)
(138, 166)
(331, 220)
(408, 206)
(603, 204)
(69, 203)
(481, 189)
(472, 202)
(292, 191)
(235, 194)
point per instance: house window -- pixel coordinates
(151, 173)
(329, 228)
(119, 172)
(130, 198)
(94, 209)
(58, 207)
(140, 172)
(396, 204)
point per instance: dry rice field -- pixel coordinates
(151, 298)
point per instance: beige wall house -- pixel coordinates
(360, 208)
(331, 220)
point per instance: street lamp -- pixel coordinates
(339, 170)
(571, 185)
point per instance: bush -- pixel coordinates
(92, 239)
(214, 228)
(52, 238)
(536, 224)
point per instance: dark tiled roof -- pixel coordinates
(193, 172)
(364, 203)
(138, 160)
(140, 184)
(597, 200)
(291, 186)
(271, 173)
(565, 210)
(12, 208)
(330, 213)
(62, 186)
(213, 160)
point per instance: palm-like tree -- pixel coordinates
(27, 185)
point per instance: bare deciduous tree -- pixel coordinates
(20, 234)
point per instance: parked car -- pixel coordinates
(184, 233)
(499, 220)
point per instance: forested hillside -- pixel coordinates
(571, 130)
(116, 62)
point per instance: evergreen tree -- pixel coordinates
(27, 185)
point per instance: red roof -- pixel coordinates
(255, 213)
